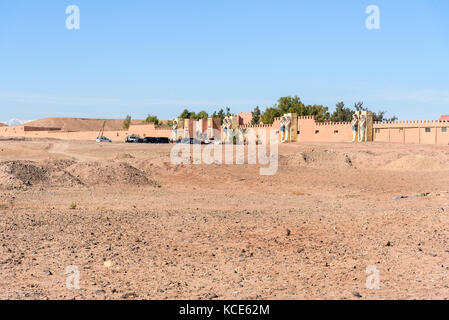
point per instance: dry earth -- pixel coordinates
(139, 227)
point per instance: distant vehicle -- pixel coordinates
(156, 140)
(209, 140)
(189, 141)
(103, 139)
(132, 139)
(149, 140)
(163, 140)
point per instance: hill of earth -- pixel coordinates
(81, 124)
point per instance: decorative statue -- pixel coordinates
(227, 125)
(175, 130)
(362, 137)
(282, 123)
(355, 127)
(229, 131)
(285, 128)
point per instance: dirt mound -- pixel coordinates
(81, 124)
(416, 163)
(96, 173)
(69, 173)
(2, 124)
(315, 158)
(18, 173)
(123, 156)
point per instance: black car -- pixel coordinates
(156, 140)
(149, 140)
(163, 140)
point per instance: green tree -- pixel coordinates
(127, 122)
(294, 105)
(202, 115)
(377, 116)
(220, 114)
(291, 105)
(358, 106)
(341, 113)
(269, 115)
(256, 116)
(152, 119)
(319, 111)
(185, 114)
(380, 117)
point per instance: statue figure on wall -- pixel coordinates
(175, 130)
(362, 125)
(355, 127)
(285, 128)
(229, 131)
(227, 125)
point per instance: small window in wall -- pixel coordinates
(335, 131)
(428, 130)
(317, 131)
(298, 132)
(377, 130)
(444, 129)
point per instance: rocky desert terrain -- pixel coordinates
(139, 227)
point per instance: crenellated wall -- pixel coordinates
(312, 131)
(262, 130)
(147, 130)
(420, 132)
(309, 130)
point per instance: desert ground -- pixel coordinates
(139, 227)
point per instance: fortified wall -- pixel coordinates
(301, 129)
(144, 130)
(419, 132)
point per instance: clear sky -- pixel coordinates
(138, 56)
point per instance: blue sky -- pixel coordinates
(138, 57)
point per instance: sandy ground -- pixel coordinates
(138, 227)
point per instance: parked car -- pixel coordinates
(156, 140)
(132, 139)
(189, 141)
(149, 140)
(102, 139)
(209, 140)
(163, 140)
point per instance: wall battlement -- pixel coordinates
(256, 126)
(306, 118)
(407, 123)
(332, 123)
